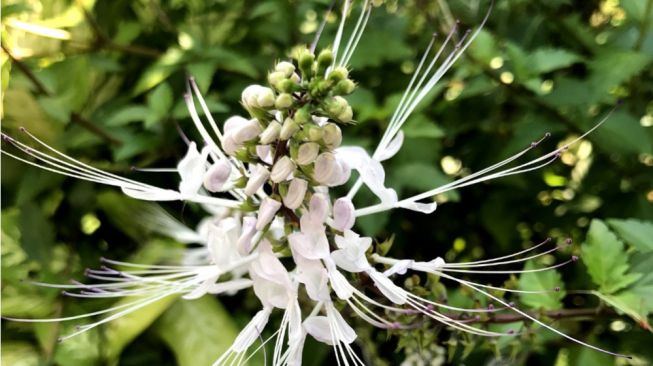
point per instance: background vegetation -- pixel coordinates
(104, 80)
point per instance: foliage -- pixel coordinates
(105, 83)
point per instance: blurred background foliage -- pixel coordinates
(104, 82)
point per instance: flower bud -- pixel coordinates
(258, 176)
(249, 95)
(313, 132)
(264, 152)
(295, 78)
(296, 192)
(305, 61)
(338, 74)
(307, 153)
(232, 123)
(302, 116)
(271, 133)
(229, 145)
(331, 135)
(325, 167)
(274, 78)
(282, 169)
(335, 105)
(244, 243)
(285, 67)
(283, 101)
(343, 214)
(265, 98)
(245, 131)
(344, 87)
(217, 175)
(324, 60)
(266, 212)
(346, 116)
(288, 129)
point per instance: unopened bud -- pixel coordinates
(271, 133)
(331, 135)
(346, 116)
(324, 60)
(275, 77)
(307, 153)
(283, 101)
(338, 74)
(329, 171)
(258, 176)
(264, 152)
(285, 67)
(313, 132)
(246, 131)
(302, 116)
(266, 212)
(244, 243)
(343, 214)
(265, 98)
(344, 87)
(296, 192)
(295, 78)
(217, 175)
(305, 61)
(282, 169)
(288, 129)
(336, 105)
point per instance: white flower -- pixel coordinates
(266, 212)
(296, 193)
(350, 255)
(282, 169)
(217, 175)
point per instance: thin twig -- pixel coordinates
(78, 119)
(41, 89)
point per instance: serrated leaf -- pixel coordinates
(197, 331)
(541, 281)
(635, 232)
(631, 304)
(606, 259)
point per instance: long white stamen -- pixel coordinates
(356, 34)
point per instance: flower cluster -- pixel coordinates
(267, 181)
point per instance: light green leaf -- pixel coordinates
(606, 259)
(544, 60)
(197, 331)
(541, 281)
(19, 354)
(631, 304)
(159, 100)
(127, 114)
(635, 232)
(159, 71)
(120, 332)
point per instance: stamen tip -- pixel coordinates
(574, 258)
(547, 135)
(22, 129)
(568, 241)
(556, 289)
(59, 339)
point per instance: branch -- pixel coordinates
(41, 89)
(553, 314)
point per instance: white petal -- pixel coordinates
(370, 170)
(191, 169)
(426, 208)
(346, 333)
(309, 246)
(252, 331)
(343, 214)
(152, 195)
(392, 148)
(318, 327)
(391, 291)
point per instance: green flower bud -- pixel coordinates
(313, 132)
(324, 60)
(338, 74)
(285, 67)
(305, 61)
(284, 101)
(288, 129)
(288, 86)
(331, 135)
(335, 105)
(302, 116)
(344, 87)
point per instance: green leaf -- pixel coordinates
(120, 332)
(160, 100)
(541, 281)
(158, 71)
(19, 354)
(127, 114)
(635, 232)
(417, 176)
(606, 259)
(544, 60)
(419, 125)
(37, 233)
(197, 331)
(631, 304)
